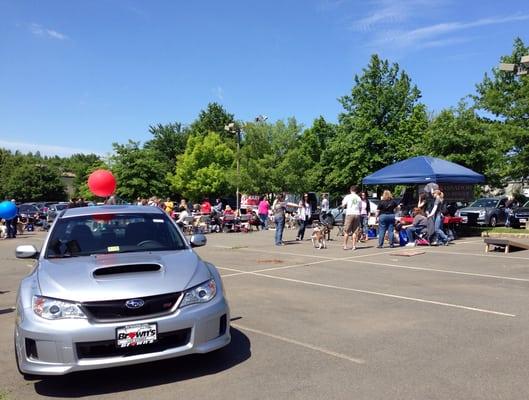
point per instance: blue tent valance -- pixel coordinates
(422, 170)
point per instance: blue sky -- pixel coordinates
(76, 76)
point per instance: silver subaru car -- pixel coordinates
(116, 285)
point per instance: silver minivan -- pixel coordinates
(116, 285)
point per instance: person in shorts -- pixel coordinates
(351, 203)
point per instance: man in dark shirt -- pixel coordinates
(419, 223)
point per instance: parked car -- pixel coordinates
(485, 211)
(55, 209)
(28, 211)
(338, 214)
(113, 286)
(520, 216)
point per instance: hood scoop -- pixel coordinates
(126, 269)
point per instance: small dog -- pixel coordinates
(318, 238)
(290, 221)
(3, 231)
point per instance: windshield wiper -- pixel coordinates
(63, 255)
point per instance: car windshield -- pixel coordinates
(60, 207)
(526, 204)
(113, 233)
(25, 208)
(482, 203)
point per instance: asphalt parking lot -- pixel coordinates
(450, 323)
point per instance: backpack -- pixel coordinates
(444, 208)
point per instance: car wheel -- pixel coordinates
(493, 221)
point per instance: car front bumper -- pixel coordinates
(46, 347)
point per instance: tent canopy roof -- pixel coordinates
(422, 170)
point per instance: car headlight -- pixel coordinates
(49, 308)
(200, 294)
(458, 213)
(482, 213)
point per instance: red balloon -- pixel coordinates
(102, 183)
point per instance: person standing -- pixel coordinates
(386, 218)
(437, 216)
(183, 203)
(169, 206)
(305, 212)
(351, 203)
(11, 224)
(365, 210)
(279, 208)
(325, 203)
(263, 208)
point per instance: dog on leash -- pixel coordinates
(318, 238)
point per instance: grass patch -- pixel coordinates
(4, 395)
(478, 230)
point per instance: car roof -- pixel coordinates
(110, 209)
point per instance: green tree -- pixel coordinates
(138, 172)
(461, 136)
(270, 158)
(34, 182)
(81, 165)
(205, 169)
(506, 96)
(312, 144)
(381, 124)
(213, 119)
(168, 142)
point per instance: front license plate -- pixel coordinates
(523, 220)
(136, 335)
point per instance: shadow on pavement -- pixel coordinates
(7, 310)
(122, 379)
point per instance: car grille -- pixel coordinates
(114, 310)
(522, 215)
(108, 348)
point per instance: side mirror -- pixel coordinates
(198, 240)
(26, 251)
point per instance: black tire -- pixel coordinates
(493, 221)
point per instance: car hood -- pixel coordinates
(474, 209)
(74, 279)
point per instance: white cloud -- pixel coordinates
(385, 12)
(435, 35)
(219, 92)
(45, 150)
(39, 30)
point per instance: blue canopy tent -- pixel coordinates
(423, 170)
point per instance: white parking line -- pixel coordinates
(352, 254)
(298, 343)
(274, 268)
(476, 255)
(394, 296)
(444, 271)
(354, 260)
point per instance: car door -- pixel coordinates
(502, 215)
